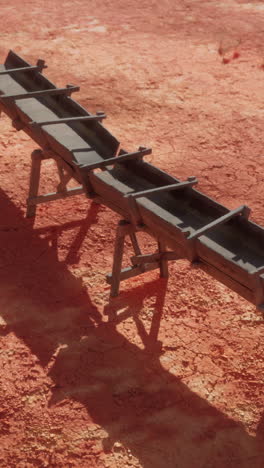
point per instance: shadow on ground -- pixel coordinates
(124, 388)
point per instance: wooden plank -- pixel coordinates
(22, 69)
(115, 160)
(257, 281)
(163, 263)
(43, 93)
(155, 222)
(161, 220)
(36, 158)
(55, 195)
(99, 137)
(226, 265)
(257, 271)
(166, 188)
(130, 272)
(171, 233)
(150, 258)
(242, 210)
(117, 264)
(83, 118)
(228, 281)
(131, 197)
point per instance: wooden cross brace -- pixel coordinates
(65, 174)
(140, 263)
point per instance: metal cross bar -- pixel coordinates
(82, 118)
(166, 188)
(242, 210)
(45, 92)
(116, 160)
(39, 67)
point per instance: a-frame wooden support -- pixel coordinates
(65, 174)
(140, 263)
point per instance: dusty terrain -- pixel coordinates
(176, 379)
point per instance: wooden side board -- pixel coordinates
(213, 257)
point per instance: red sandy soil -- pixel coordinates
(176, 380)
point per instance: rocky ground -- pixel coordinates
(176, 379)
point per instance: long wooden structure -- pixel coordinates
(225, 243)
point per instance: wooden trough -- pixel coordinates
(224, 243)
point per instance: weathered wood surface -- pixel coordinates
(233, 253)
(95, 141)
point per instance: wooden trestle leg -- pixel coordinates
(140, 263)
(36, 158)
(164, 271)
(65, 174)
(118, 257)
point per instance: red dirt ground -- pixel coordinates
(176, 381)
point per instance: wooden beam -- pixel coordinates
(116, 160)
(242, 210)
(166, 188)
(82, 118)
(39, 67)
(43, 93)
(152, 258)
(257, 271)
(55, 195)
(130, 272)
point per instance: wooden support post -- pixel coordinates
(164, 272)
(135, 245)
(87, 186)
(116, 160)
(118, 256)
(61, 186)
(140, 263)
(124, 229)
(36, 158)
(258, 286)
(65, 174)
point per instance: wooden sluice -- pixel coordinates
(185, 222)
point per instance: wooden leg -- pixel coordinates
(137, 250)
(62, 185)
(140, 263)
(63, 176)
(135, 245)
(36, 157)
(164, 272)
(87, 186)
(117, 264)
